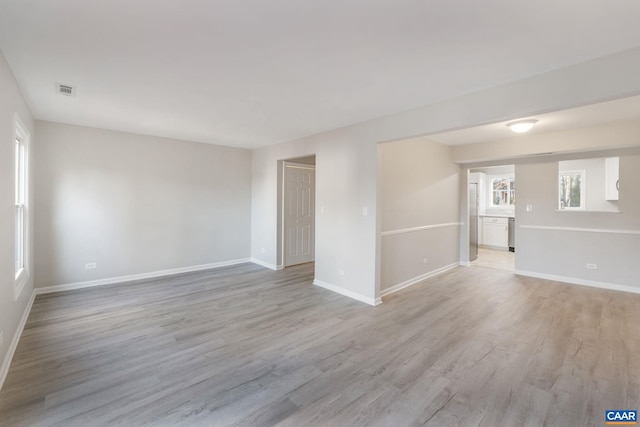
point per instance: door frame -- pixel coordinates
(471, 209)
(280, 229)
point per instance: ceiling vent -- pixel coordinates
(65, 90)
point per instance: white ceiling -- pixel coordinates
(591, 115)
(253, 73)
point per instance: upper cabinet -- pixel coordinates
(611, 176)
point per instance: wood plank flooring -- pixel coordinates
(247, 346)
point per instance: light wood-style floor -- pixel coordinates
(491, 258)
(247, 346)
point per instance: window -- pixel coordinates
(572, 190)
(21, 163)
(503, 192)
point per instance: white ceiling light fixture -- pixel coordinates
(521, 126)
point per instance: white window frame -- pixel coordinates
(583, 190)
(21, 139)
(493, 178)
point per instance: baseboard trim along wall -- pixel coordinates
(417, 279)
(581, 282)
(267, 264)
(347, 293)
(4, 370)
(129, 278)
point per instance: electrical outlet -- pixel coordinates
(341, 272)
(263, 250)
(425, 260)
(90, 266)
(592, 266)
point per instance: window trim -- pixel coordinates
(491, 179)
(21, 137)
(583, 190)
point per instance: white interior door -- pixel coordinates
(299, 211)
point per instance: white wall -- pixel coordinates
(595, 182)
(418, 188)
(344, 169)
(560, 243)
(11, 102)
(347, 162)
(135, 204)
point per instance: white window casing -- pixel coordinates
(21, 191)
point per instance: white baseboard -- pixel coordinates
(4, 369)
(267, 264)
(347, 293)
(418, 279)
(577, 281)
(150, 275)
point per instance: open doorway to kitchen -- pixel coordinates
(492, 222)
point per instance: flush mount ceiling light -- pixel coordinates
(521, 126)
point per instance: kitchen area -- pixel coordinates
(492, 199)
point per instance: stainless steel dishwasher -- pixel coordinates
(512, 234)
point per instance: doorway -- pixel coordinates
(298, 211)
(492, 199)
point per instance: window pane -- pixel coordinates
(570, 190)
(19, 255)
(21, 164)
(16, 169)
(502, 191)
(20, 212)
(500, 184)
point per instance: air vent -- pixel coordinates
(65, 90)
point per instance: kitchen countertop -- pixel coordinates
(498, 215)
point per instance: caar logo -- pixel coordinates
(620, 417)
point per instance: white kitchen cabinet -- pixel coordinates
(495, 232)
(611, 174)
